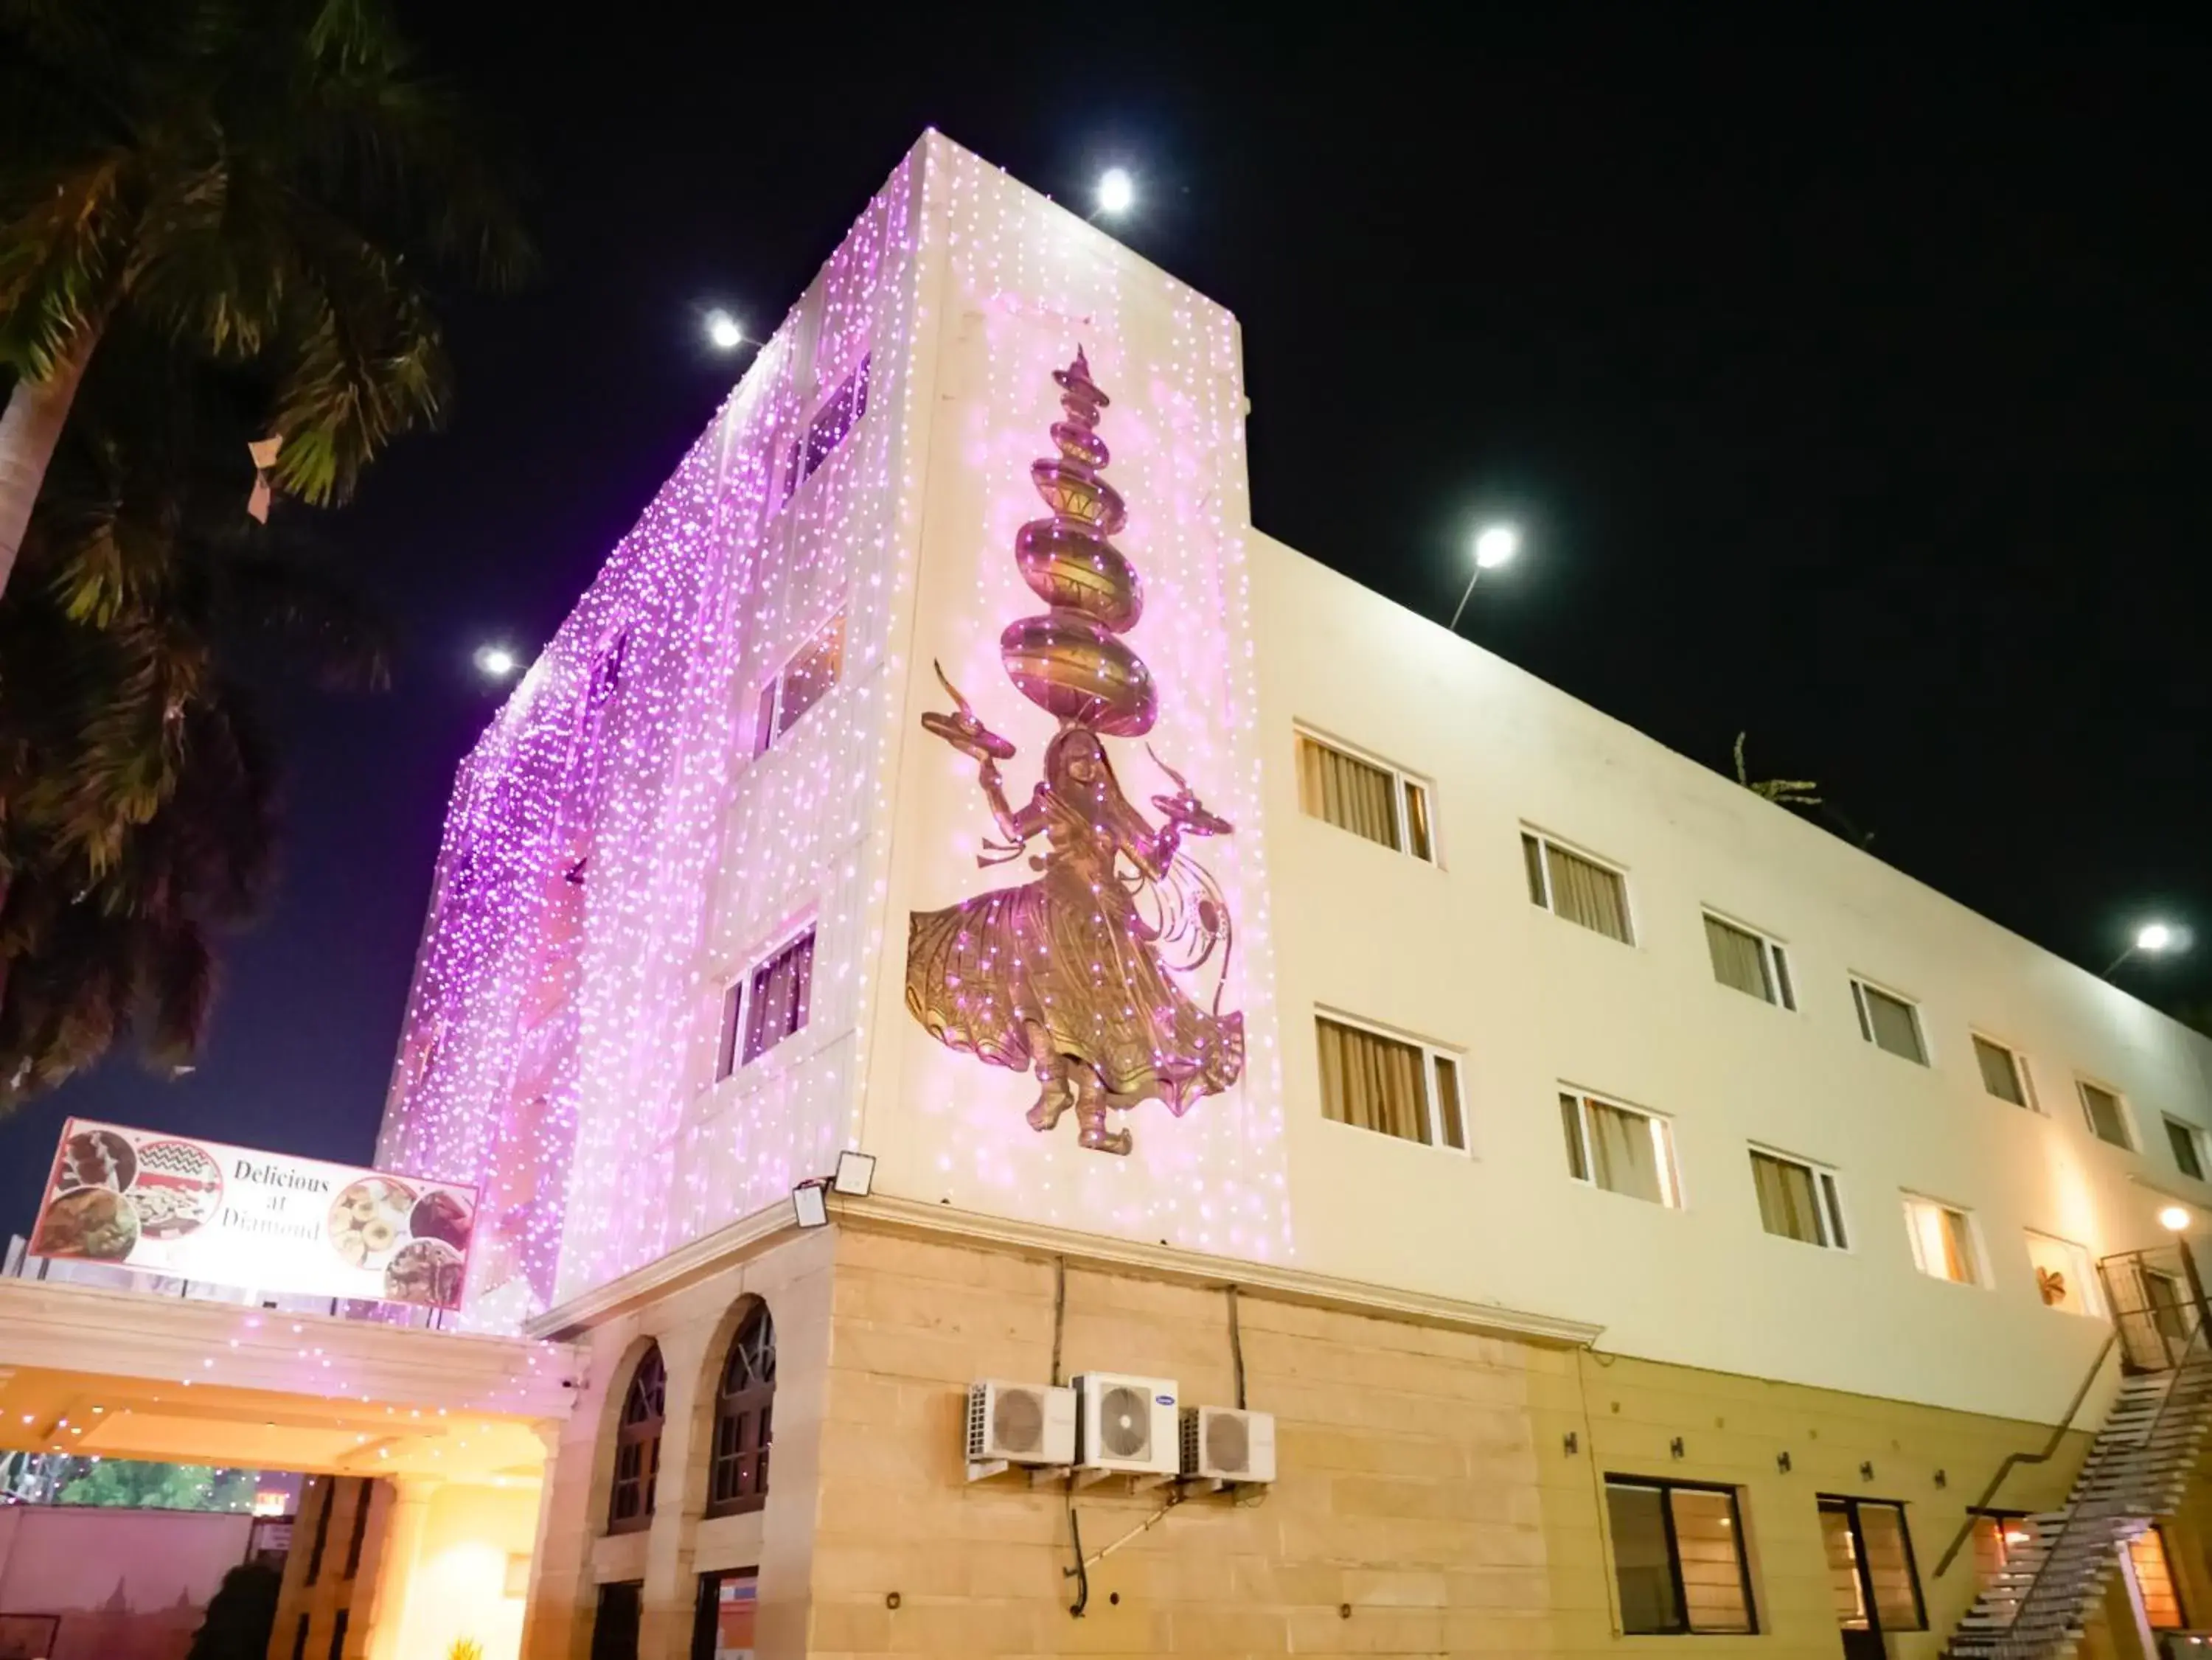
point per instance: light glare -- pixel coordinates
(1117, 191)
(723, 332)
(2174, 1218)
(2153, 937)
(496, 662)
(1495, 546)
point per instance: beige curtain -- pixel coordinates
(1587, 893)
(1788, 1204)
(1372, 1082)
(1625, 1154)
(1347, 793)
(1737, 959)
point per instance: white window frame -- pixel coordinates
(2020, 1070)
(1546, 841)
(1401, 780)
(1828, 1185)
(738, 997)
(1860, 984)
(2082, 1084)
(2196, 1139)
(1662, 1132)
(2093, 1300)
(1431, 1054)
(1982, 1277)
(1773, 953)
(769, 732)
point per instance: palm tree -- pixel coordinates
(137, 786)
(263, 180)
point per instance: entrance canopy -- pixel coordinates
(121, 1374)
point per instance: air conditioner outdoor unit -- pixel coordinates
(1019, 1424)
(1126, 1425)
(1228, 1443)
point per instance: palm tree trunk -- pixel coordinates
(30, 427)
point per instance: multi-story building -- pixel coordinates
(1641, 1212)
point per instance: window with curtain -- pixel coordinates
(1372, 1081)
(743, 1417)
(1580, 889)
(1679, 1559)
(806, 679)
(1943, 1241)
(1750, 962)
(1365, 797)
(637, 1446)
(1798, 1200)
(2108, 1119)
(778, 997)
(1888, 1021)
(1620, 1149)
(2154, 1581)
(2187, 1144)
(2004, 1074)
(2063, 1274)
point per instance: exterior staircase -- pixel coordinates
(2038, 1605)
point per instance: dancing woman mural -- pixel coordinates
(1071, 977)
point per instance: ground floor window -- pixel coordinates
(722, 1627)
(1678, 1557)
(2155, 1583)
(1870, 1566)
(614, 1625)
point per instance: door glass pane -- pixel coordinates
(1889, 1565)
(1640, 1565)
(1843, 1565)
(1713, 1592)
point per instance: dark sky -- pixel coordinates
(1853, 391)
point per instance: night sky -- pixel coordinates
(1851, 391)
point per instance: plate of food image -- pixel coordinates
(368, 1219)
(438, 1215)
(427, 1271)
(95, 1223)
(180, 1186)
(97, 1158)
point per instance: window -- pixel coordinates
(1580, 889)
(1999, 1535)
(1798, 1200)
(300, 1639)
(2187, 1144)
(637, 1447)
(1888, 1021)
(367, 1491)
(1620, 1149)
(722, 1624)
(2064, 1277)
(338, 1633)
(2108, 1119)
(840, 413)
(2004, 1072)
(806, 679)
(1749, 962)
(1370, 800)
(777, 999)
(1870, 1566)
(1943, 1241)
(2153, 1575)
(1678, 1558)
(725, 1047)
(738, 1478)
(1408, 1090)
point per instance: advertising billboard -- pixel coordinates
(266, 1222)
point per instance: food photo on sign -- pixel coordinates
(265, 1222)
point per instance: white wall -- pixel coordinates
(1458, 955)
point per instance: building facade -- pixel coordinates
(1643, 1214)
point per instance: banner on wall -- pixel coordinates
(267, 1221)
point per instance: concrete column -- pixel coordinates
(401, 1550)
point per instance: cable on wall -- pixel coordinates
(1236, 1347)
